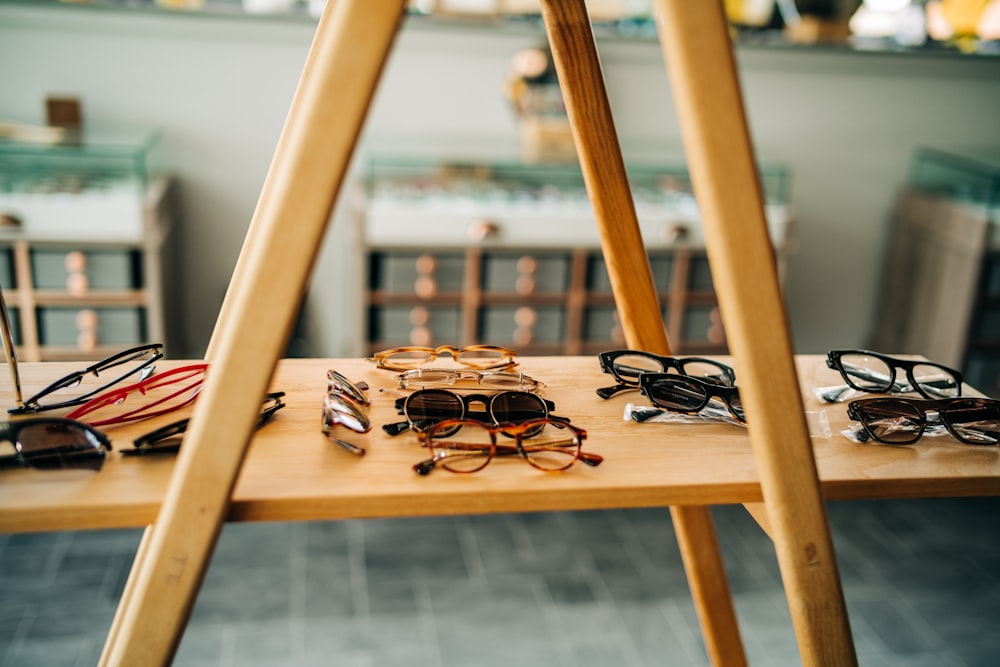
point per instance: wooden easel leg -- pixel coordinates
(352, 42)
(581, 77)
(699, 59)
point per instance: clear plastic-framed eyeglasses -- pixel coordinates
(480, 357)
(423, 378)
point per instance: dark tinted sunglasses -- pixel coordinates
(627, 365)
(902, 421)
(53, 443)
(680, 393)
(429, 406)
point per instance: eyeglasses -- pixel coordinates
(163, 392)
(118, 367)
(680, 393)
(8, 347)
(467, 445)
(902, 421)
(337, 382)
(53, 443)
(429, 406)
(876, 373)
(481, 357)
(167, 439)
(340, 408)
(424, 377)
(627, 365)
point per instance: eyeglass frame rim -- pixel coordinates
(510, 355)
(717, 390)
(111, 394)
(834, 362)
(856, 405)
(32, 406)
(424, 467)
(355, 409)
(345, 385)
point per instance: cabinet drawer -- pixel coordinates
(523, 325)
(391, 326)
(409, 272)
(87, 327)
(526, 272)
(80, 270)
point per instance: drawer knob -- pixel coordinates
(480, 230)
(677, 232)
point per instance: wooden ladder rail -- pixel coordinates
(257, 316)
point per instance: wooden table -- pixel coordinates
(292, 472)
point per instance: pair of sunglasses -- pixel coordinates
(902, 421)
(876, 373)
(52, 443)
(425, 407)
(167, 439)
(689, 395)
(627, 366)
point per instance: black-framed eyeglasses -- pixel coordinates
(690, 395)
(168, 439)
(627, 365)
(902, 421)
(876, 373)
(136, 362)
(52, 443)
(429, 406)
(468, 445)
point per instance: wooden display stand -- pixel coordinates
(352, 42)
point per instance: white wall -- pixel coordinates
(218, 89)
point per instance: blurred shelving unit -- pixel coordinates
(83, 245)
(508, 253)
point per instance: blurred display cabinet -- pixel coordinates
(82, 245)
(509, 254)
(941, 290)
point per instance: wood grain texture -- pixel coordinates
(699, 59)
(292, 472)
(352, 41)
(581, 78)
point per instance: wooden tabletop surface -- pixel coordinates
(293, 472)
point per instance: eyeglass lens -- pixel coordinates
(901, 422)
(871, 373)
(56, 445)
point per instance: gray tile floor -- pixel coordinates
(572, 589)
